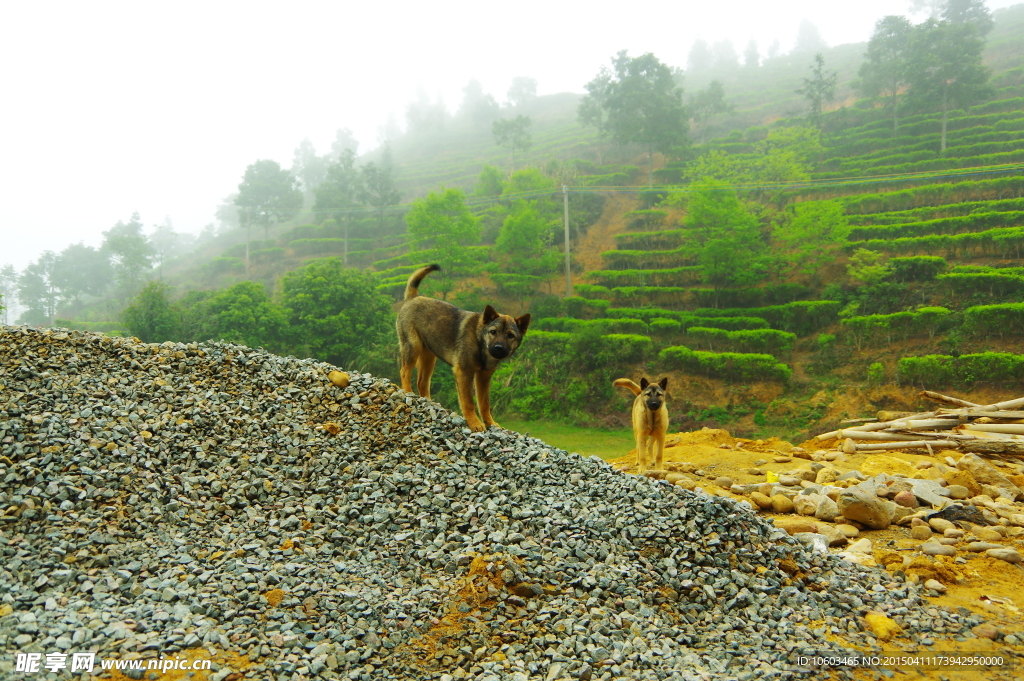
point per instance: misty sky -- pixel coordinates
(115, 107)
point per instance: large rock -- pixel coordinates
(963, 479)
(807, 504)
(865, 507)
(828, 510)
(929, 492)
(986, 474)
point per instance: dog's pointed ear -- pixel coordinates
(663, 383)
(523, 323)
(490, 314)
(644, 383)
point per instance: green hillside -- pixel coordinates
(768, 270)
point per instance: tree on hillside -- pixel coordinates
(645, 107)
(725, 55)
(513, 133)
(441, 230)
(130, 252)
(268, 194)
(245, 314)
(811, 235)
(81, 270)
(706, 104)
(974, 12)
(751, 57)
(343, 140)
(379, 188)
(309, 168)
(701, 58)
(151, 317)
(808, 38)
(491, 182)
(886, 68)
(479, 109)
(339, 193)
(725, 237)
(593, 107)
(522, 91)
(8, 287)
(37, 291)
(424, 117)
(819, 89)
(946, 69)
(336, 313)
(524, 243)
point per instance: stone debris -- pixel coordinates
(303, 524)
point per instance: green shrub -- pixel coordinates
(767, 341)
(993, 283)
(731, 366)
(936, 371)
(884, 328)
(954, 225)
(645, 220)
(675, 276)
(801, 317)
(876, 373)
(1003, 242)
(995, 320)
(649, 241)
(583, 308)
(916, 268)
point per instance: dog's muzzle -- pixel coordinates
(654, 405)
(499, 351)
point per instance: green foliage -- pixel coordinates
(131, 253)
(682, 276)
(810, 237)
(490, 183)
(246, 315)
(819, 89)
(884, 328)
(732, 366)
(867, 267)
(518, 286)
(442, 228)
(950, 225)
(801, 317)
(524, 243)
(876, 373)
(726, 236)
(885, 71)
(917, 268)
(336, 313)
(341, 189)
(605, 326)
(938, 371)
(151, 317)
(1004, 242)
(992, 283)
(513, 133)
(935, 194)
(767, 341)
(644, 220)
(267, 194)
(995, 320)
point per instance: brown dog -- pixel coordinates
(650, 419)
(473, 343)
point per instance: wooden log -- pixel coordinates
(922, 424)
(982, 435)
(1009, 404)
(893, 415)
(868, 427)
(889, 437)
(944, 435)
(912, 444)
(1001, 448)
(1010, 428)
(946, 399)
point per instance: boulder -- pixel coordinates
(828, 510)
(856, 504)
(986, 474)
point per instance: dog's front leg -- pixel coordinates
(464, 384)
(483, 396)
(659, 443)
(641, 453)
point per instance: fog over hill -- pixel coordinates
(129, 108)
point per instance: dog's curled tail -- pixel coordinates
(626, 383)
(412, 288)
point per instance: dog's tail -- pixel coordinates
(412, 288)
(626, 383)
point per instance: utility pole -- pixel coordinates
(568, 276)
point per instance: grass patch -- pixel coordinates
(607, 444)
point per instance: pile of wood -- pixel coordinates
(994, 429)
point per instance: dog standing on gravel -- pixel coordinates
(472, 342)
(650, 419)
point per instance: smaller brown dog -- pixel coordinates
(650, 419)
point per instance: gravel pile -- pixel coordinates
(158, 499)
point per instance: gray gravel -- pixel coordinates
(215, 497)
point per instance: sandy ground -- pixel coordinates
(984, 585)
